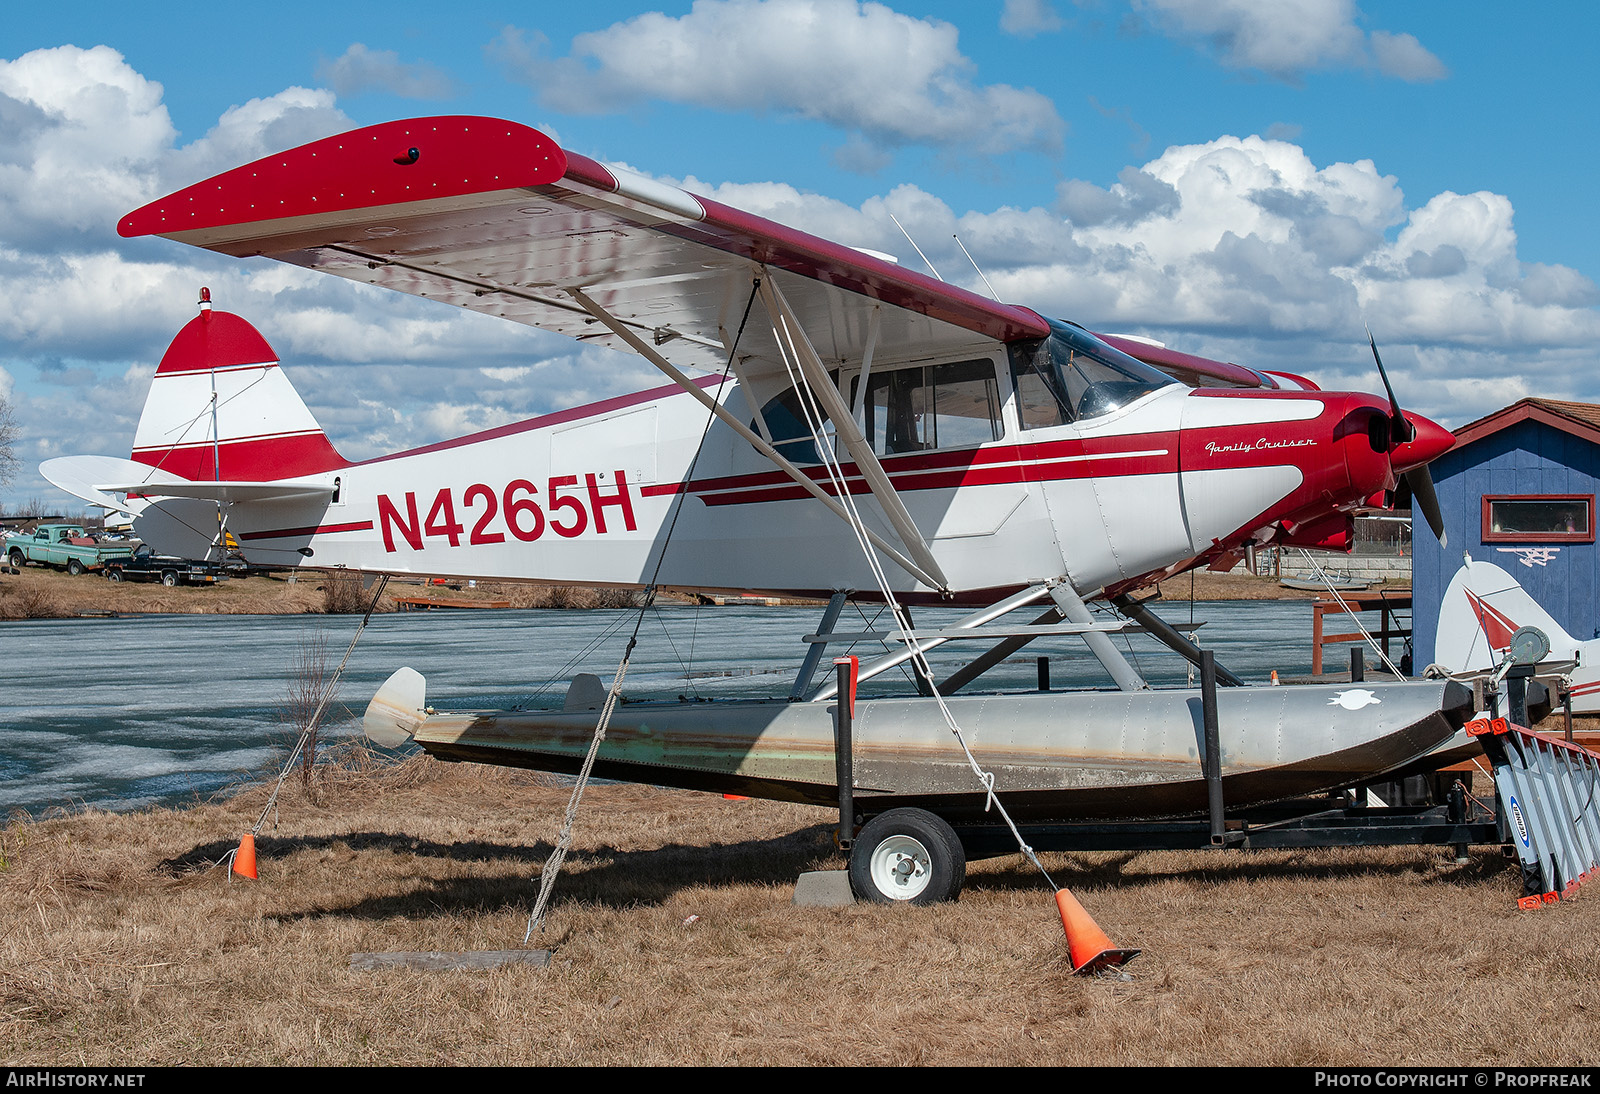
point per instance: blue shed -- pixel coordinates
(1518, 490)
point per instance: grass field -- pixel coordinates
(676, 943)
(39, 593)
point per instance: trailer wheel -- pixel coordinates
(169, 578)
(907, 855)
(74, 567)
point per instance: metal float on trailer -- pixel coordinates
(1231, 767)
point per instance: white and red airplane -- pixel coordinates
(996, 458)
(999, 448)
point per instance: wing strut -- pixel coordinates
(649, 353)
(797, 348)
(922, 645)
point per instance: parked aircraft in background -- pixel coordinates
(1484, 607)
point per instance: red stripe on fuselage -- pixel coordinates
(1047, 462)
(317, 530)
(1072, 448)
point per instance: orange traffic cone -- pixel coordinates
(244, 859)
(1090, 948)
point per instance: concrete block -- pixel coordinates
(823, 889)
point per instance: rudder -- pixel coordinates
(1481, 610)
(221, 408)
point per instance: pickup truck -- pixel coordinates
(62, 546)
(146, 565)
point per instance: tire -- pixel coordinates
(74, 567)
(17, 561)
(114, 573)
(169, 578)
(907, 856)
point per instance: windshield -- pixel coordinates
(1073, 375)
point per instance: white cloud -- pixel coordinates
(254, 129)
(1288, 38)
(506, 375)
(1025, 18)
(1244, 249)
(1135, 196)
(361, 69)
(1403, 56)
(84, 136)
(891, 78)
(88, 139)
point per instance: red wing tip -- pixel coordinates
(375, 165)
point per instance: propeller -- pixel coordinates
(1417, 480)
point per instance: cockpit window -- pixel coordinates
(933, 406)
(912, 409)
(1073, 375)
(786, 424)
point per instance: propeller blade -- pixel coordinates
(1400, 430)
(1423, 497)
(1417, 482)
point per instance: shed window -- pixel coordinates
(1538, 518)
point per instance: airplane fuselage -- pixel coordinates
(586, 496)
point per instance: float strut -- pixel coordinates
(808, 668)
(1099, 643)
(1208, 714)
(1168, 635)
(844, 769)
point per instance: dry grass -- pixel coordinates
(41, 593)
(123, 946)
(523, 595)
(28, 601)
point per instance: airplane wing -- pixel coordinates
(494, 216)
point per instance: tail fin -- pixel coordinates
(1481, 610)
(221, 408)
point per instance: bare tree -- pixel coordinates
(309, 679)
(8, 434)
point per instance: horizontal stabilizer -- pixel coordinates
(80, 476)
(96, 478)
(286, 490)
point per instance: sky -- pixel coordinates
(1252, 180)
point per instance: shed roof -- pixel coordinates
(1579, 419)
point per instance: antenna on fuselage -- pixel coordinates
(974, 262)
(913, 243)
